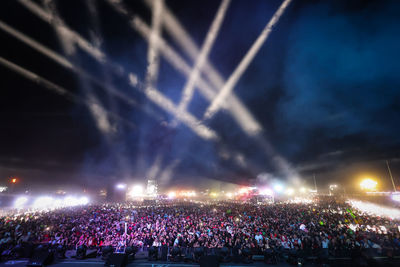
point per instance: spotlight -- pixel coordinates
(20, 202)
(43, 202)
(136, 191)
(396, 197)
(290, 191)
(266, 192)
(368, 184)
(229, 195)
(83, 201)
(278, 188)
(121, 186)
(71, 201)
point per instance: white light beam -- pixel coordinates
(153, 58)
(241, 68)
(57, 89)
(240, 113)
(64, 30)
(155, 96)
(63, 61)
(189, 87)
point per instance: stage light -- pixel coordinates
(43, 202)
(243, 190)
(375, 209)
(83, 201)
(20, 202)
(368, 184)
(136, 191)
(13, 180)
(188, 194)
(57, 203)
(121, 186)
(278, 188)
(290, 191)
(171, 194)
(213, 194)
(396, 197)
(70, 201)
(332, 186)
(302, 190)
(229, 195)
(266, 192)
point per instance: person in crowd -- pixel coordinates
(323, 227)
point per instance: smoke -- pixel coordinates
(100, 116)
(244, 63)
(341, 72)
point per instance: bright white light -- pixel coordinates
(244, 190)
(290, 191)
(229, 195)
(63, 30)
(244, 63)
(302, 190)
(57, 203)
(301, 200)
(188, 90)
(83, 201)
(153, 58)
(368, 184)
(43, 202)
(121, 186)
(332, 187)
(70, 201)
(160, 99)
(20, 202)
(213, 194)
(396, 197)
(171, 195)
(374, 209)
(182, 37)
(188, 194)
(136, 191)
(278, 188)
(267, 192)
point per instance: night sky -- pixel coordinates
(325, 87)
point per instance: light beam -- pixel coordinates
(241, 114)
(241, 68)
(155, 96)
(189, 87)
(55, 88)
(153, 59)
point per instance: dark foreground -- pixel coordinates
(142, 260)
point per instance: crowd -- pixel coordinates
(323, 226)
